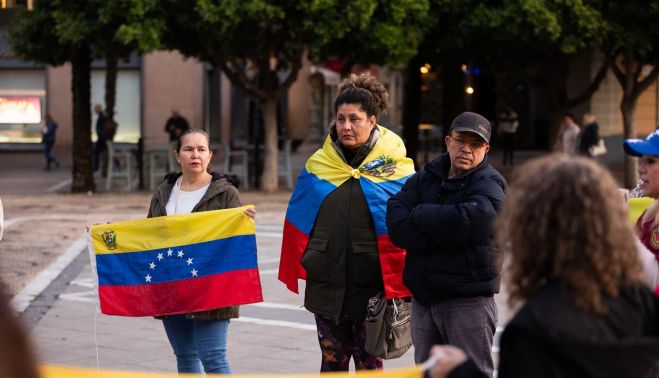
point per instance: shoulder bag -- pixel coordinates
(388, 327)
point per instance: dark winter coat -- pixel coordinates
(221, 194)
(49, 133)
(551, 337)
(341, 259)
(446, 226)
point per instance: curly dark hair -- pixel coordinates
(565, 221)
(364, 90)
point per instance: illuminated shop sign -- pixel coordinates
(20, 109)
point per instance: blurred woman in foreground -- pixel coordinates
(574, 266)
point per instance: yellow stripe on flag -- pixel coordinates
(636, 207)
(333, 169)
(181, 229)
(51, 371)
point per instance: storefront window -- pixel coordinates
(128, 102)
(22, 104)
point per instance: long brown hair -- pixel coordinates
(565, 221)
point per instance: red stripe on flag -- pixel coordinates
(392, 262)
(183, 296)
(293, 245)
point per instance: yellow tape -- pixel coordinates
(51, 371)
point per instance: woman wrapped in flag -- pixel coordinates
(199, 338)
(335, 234)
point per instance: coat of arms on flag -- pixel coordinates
(176, 264)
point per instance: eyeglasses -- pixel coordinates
(474, 144)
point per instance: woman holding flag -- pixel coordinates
(199, 338)
(335, 234)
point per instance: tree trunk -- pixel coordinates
(111, 63)
(628, 109)
(83, 178)
(269, 177)
(412, 107)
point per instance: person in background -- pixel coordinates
(568, 136)
(647, 225)
(585, 311)
(508, 125)
(347, 183)
(48, 140)
(589, 135)
(100, 148)
(176, 125)
(443, 218)
(199, 338)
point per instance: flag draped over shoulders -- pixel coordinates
(381, 175)
(176, 264)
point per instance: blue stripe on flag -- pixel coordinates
(376, 195)
(304, 204)
(156, 266)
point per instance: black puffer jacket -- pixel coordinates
(446, 226)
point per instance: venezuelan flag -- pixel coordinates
(177, 264)
(637, 206)
(385, 170)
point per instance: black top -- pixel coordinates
(551, 337)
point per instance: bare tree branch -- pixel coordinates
(648, 80)
(290, 79)
(615, 69)
(239, 79)
(592, 87)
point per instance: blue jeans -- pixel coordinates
(196, 342)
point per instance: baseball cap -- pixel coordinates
(473, 123)
(639, 147)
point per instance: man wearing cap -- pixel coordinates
(444, 217)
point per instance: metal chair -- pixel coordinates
(284, 168)
(158, 164)
(120, 165)
(236, 162)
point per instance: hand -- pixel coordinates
(250, 212)
(448, 358)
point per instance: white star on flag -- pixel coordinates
(147, 278)
(194, 272)
(160, 256)
(189, 260)
(152, 266)
(169, 252)
(180, 253)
